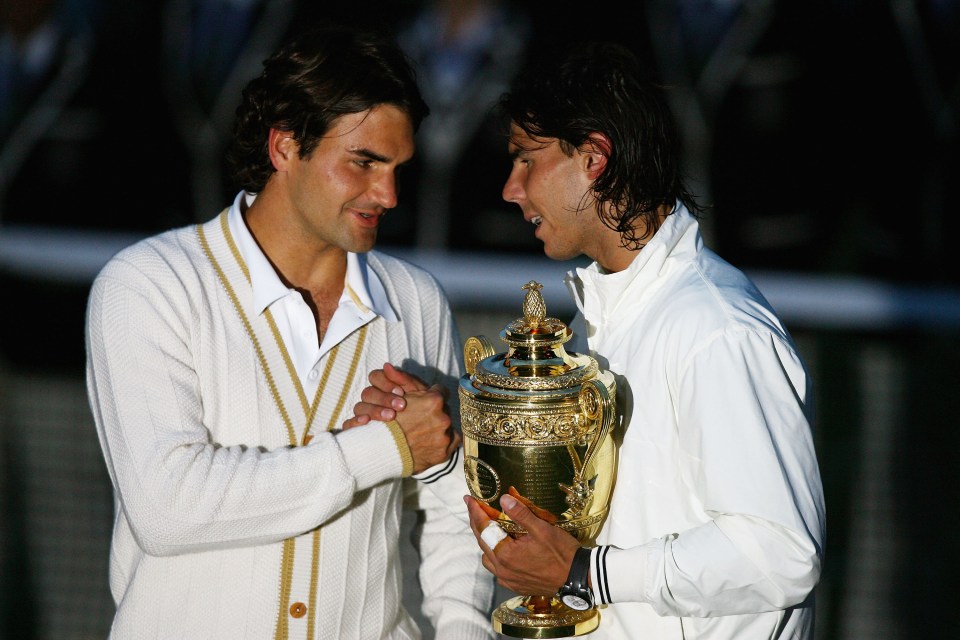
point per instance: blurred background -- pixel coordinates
(821, 135)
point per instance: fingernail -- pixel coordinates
(507, 501)
(388, 414)
(398, 404)
(397, 391)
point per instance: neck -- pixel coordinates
(298, 260)
(613, 256)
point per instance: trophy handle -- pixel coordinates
(597, 406)
(475, 349)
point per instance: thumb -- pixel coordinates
(406, 381)
(520, 513)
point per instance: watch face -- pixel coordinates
(575, 602)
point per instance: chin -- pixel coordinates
(362, 245)
(555, 254)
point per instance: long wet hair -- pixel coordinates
(602, 87)
(323, 74)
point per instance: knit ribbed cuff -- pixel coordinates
(402, 447)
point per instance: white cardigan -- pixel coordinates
(716, 525)
(227, 526)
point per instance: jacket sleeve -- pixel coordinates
(746, 447)
(180, 490)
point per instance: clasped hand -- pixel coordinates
(420, 410)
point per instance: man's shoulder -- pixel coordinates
(398, 271)
(711, 295)
(163, 251)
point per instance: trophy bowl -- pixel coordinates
(536, 423)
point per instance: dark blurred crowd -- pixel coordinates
(821, 135)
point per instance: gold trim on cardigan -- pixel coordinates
(403, 446)
(286, 570)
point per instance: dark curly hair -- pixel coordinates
(601, 87)
(322, 74)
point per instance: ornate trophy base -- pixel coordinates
(542, 617)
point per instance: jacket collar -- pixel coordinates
(598, 293)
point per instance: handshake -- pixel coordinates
(535, 563)
(420, 410)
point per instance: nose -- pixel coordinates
(385, 191)
(512, 188)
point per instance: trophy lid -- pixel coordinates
(536, 359)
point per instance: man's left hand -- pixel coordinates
(533, 564)
(384, 397)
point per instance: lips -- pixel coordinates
(368, 219)
(536, 220)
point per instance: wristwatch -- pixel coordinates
(576, 592)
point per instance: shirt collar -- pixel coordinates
(363, 285)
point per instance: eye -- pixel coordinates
(364, 163)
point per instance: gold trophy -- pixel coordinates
(536, 422)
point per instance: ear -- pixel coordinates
(282, 148)
(594, 154)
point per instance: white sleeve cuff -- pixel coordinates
(437, 471)
(625, 575)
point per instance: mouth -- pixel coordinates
(536, 220)
(368, 218)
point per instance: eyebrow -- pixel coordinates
(515, 150)
(370, 155)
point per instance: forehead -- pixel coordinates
(521, 141)
(384, 130)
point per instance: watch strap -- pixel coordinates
(580, 568)
(579, 576)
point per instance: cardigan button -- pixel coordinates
(298, 610)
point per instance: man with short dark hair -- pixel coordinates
(223, 359)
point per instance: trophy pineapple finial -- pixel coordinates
(534, 307)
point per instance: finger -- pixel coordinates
(540, 512)
(380, 380)
(491, 536)
(356, 421)
(373, 412)
(487, 564)
(477, 514)
(520, 513)
(492, 513)
(406, 381)
(377, 397)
